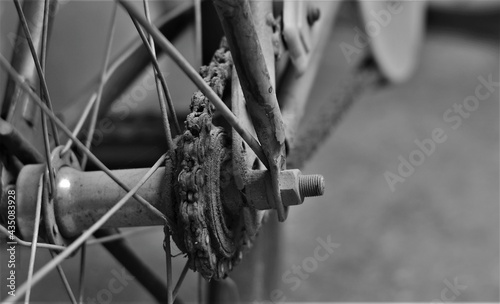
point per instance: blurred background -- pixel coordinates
(439, 228)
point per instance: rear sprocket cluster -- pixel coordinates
(209, 224)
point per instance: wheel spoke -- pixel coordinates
(43, 61)
(17, 78)
(102, 81)
(81, 278)
(47, 111)
(65, 282)
(166, 244)
(45, 34)
(200, 289)
(118, 236)
(124, 254)
(28, 244)
(167, 46)
(88, 233)
(181, 279)
(38, 66)
(159, 75)
(198, 33)
(38, 211)
(160, 79)
(80, 123)
(46, 144)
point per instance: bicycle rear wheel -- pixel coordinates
(98, 101)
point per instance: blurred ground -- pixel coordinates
(440, 225)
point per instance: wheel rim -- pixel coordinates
(395, 30)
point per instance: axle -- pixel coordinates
(83, 197)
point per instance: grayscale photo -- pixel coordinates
(249, 151)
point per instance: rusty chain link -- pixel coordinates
(210, 229)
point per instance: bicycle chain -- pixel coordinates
(209, 224)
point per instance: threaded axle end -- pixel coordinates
(311, 185)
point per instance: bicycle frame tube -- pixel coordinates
(295, 86)
(16, 107)
(255, 78)
(258, 270)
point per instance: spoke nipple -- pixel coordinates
(311, 185)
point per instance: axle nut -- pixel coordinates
(295, 187)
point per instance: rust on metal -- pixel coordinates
(84, 197)
(238, 23)
(294, 188)
(208, 222)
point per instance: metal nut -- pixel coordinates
(289, 186)
(294, 188)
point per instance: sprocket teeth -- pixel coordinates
(201, 151)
